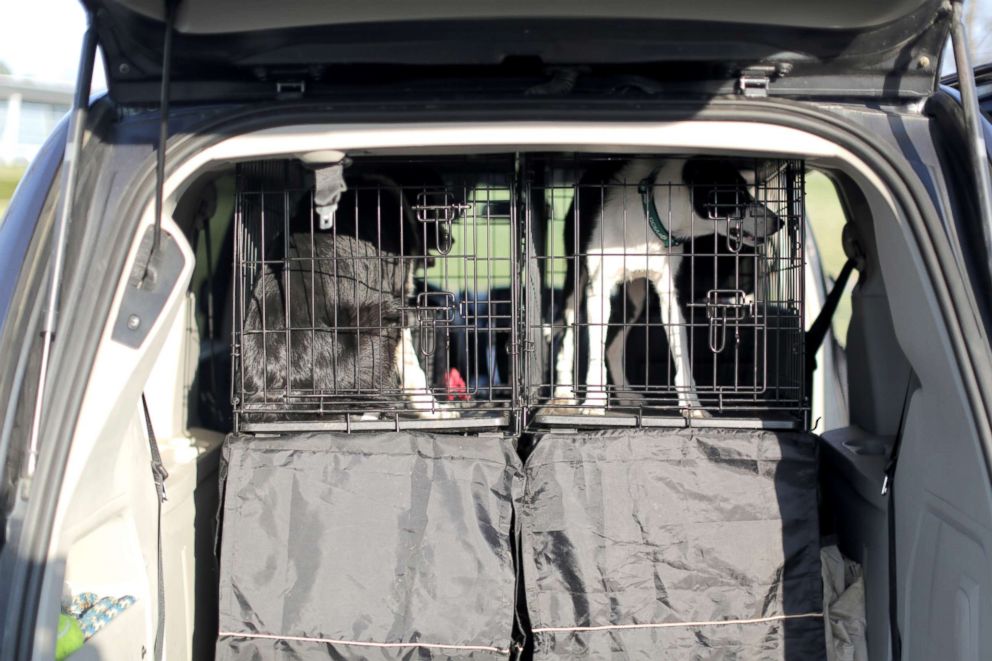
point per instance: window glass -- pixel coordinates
(978, 20)
(38, 120)
(826, 217)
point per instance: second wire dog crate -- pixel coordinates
(688, 273)
(456, 292)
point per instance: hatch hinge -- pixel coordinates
(290, 89)
(753, 82)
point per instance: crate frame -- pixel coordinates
(527, 325)
(770, 403)
(438, 314)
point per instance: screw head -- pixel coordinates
(924, 61)
(133, 322)
(124, 68)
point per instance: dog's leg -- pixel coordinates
(565, 365)
(597, 317)
(678, 337)
(414, 380)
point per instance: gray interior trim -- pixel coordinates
(377, 425)
(219, 16)
(631, 421)
(94, 285)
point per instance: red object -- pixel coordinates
(455, 385)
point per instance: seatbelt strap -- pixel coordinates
(159, 474)
(818, 331)
(890, 471)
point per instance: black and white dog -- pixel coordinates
(632, 224)
(343, 290)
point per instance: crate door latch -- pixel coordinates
(434, 310)
(722, 306)
(440, 209)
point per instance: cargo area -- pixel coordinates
(503, 331)
(509, 404)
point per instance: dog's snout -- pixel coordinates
(763, 220)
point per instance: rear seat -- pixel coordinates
(646, 544)
(677, 544)
(384, 546)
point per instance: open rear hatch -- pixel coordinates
(227, 50)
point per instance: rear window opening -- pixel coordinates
(430, 318)
(452, 293)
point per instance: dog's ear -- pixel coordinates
(716, 187)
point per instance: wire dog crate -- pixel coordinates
(396, 308)
(523, 289)
(674, 288)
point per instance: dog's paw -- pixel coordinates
(560, 406)
(595, 404)
(592, 410)
(696, 412)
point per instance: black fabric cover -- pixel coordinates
(623, 531)
(374, 546)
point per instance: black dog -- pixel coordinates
(343, 292)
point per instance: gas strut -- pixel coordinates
(977, 152)
(163, 125)
(67, 190)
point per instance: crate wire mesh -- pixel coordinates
(717, 274)
(467, 301)
(403, 309)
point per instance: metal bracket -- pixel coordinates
(290, 89)
(753, 85)
(732, 214)
(755, 81)
(150, 284)
(428, 320)
(521, 346)
(439, 208)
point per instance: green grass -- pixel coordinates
(9, 176)
(827, 220)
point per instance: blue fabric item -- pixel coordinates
(95, 612)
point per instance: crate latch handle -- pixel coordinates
(433, 309)
(722, 306)
(440, 209)
(732, 214)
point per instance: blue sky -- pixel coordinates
(40, 39)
